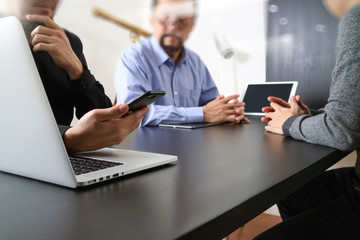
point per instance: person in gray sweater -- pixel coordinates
(328, 207)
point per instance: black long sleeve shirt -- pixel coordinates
(64, 94)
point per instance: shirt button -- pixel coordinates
(175, 93)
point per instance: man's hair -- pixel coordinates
(155, 2)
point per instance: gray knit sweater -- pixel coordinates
(338, 123)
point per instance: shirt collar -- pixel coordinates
(160, 54)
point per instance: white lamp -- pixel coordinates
(225, 51)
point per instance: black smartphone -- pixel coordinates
(144, 100)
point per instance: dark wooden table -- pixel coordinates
(225, 176)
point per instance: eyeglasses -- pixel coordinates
(182, 23)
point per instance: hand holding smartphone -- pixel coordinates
(144, 100)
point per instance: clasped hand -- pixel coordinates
(225, 109)
(279, 111)
(51, 38)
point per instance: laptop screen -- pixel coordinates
(256, 95)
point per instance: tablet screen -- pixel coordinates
(256, 95)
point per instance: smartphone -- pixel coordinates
(144, 100)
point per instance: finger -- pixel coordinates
(240, 110)
(135, 118)
(45, 31)
(237, 118)
(234, 105)
(279, 101)
(229, 98)
(268, 128)
(141, 112)
(269, 115)
(293, 102)
(115, 112)
(227, 113)
(237, 110)
(236, 101)
(267, 109)
(230, 118)
(49, 22)
(46, 47)
(301, 104)
(246, 120)
(234, 111)
(265, 119)
(242, 118)
(42, 39)
(274, 129)
(275, 106)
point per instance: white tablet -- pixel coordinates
(256, 95)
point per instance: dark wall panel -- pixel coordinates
(301, 47)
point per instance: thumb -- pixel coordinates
(301, 104)
(293, 102)
(113, 112)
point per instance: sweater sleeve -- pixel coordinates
(338, 124)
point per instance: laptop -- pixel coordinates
(30, 141)
(256, 95)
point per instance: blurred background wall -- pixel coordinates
(239, 23)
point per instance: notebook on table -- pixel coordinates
(190, 125)
(30, 141)
(256, 95)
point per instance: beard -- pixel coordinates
(171, 50)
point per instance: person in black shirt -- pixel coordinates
(59, 58)
(67, 80)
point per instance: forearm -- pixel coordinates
(326, 129)
(75, 69)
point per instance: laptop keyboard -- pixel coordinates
(83, 165)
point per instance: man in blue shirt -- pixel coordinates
(161, 62)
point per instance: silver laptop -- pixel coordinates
(256, 95)
(30, 141)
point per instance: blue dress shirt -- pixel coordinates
(146, 66)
